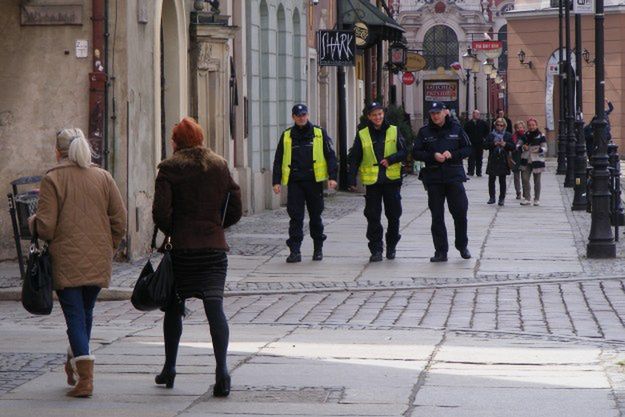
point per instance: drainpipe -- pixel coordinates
(97, 85)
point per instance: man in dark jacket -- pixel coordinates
(443, 145)
(376, 156)
(304, 160)
(477, 130)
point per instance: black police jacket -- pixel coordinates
(378, 138)
(433, 139)
(302, 155)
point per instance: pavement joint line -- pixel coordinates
(423, 376)
(615, 387)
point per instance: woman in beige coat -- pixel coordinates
(82, 217)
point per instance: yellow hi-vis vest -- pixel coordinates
(320, 165)
(369, 165)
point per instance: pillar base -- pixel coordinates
(601, 250)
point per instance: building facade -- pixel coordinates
(533, 91)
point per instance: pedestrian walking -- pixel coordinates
(304, 160)
(443, 145)
(376, 156)
(82, 217)
(195, 199)
(499, 144)
(477, 130)
(534, 147)
(519, 131)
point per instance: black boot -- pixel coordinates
(439, 257)
(376, 257)
(294, 257)
(317, 252)
(465, 253)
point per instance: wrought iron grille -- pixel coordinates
(440, 47)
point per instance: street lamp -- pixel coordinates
(561, 168)
(487, 67)
(600, 241)
(468, 60)
(475, 69)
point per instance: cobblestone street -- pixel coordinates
(528, 327)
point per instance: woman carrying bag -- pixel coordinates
(195, 199)
(534, 147)
(82, 216)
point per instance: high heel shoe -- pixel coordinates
(222, 386)
(165, 378)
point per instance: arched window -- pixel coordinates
(440, 47)
(503, 58)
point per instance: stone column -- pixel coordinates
(210, 83)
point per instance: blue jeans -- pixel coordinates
(77, 304)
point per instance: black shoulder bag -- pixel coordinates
(37, 285)
(154, 289)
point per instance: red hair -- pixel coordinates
(187, 134)
(531, 119)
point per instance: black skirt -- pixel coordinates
(200, 274)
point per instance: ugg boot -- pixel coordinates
(69, 371)
(83, 366)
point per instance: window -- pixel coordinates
(502, 63)
(440, 47)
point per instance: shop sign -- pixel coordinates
(492, 49)
(361, 31)
(415, 62)
(408, 78)
(336, 47)
(45, 15)
(440, 91)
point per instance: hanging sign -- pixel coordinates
(492, 49)
(361, 31)
(408, 78)
(336, 48)
(584, 6)
(414, 62)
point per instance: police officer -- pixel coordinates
(304, 160)
(376, 156)
(442, 144)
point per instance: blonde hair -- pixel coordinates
(501, 120)
(519, 123)
(71, 144)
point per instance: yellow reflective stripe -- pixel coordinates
(368, 168)
(286, 156)
(320, 165)
(393, 172)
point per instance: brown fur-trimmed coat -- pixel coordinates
(190, 193)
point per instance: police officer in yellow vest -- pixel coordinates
(376, 156)
(304, 160)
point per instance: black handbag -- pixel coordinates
(37, 285)
(154, 288)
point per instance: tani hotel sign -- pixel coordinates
(45, 15)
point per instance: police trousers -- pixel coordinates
(390, 194)
(458, 204)
(302, 195)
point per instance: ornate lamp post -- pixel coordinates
(600, 241)
(468, 61)
(561, 170)
(579, 199)
(569, 180)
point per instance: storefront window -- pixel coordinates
(440, 47)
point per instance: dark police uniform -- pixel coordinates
(383, 184)
(444, 181)
(304, 176)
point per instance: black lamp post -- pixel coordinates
(600, 241)
(342, 110)
(569, 180)
(561, 169)
(579, 199)
(468, 61)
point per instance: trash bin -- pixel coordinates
(22, 205)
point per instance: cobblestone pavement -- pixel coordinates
(18, 368)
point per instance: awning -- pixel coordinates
(383, 26)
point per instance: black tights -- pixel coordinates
(172, 330)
